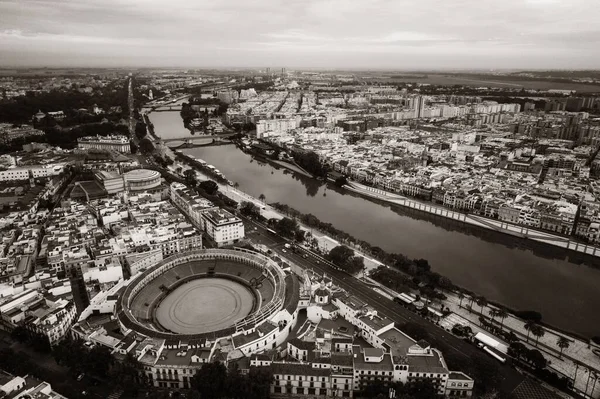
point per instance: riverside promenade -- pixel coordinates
(578, 361)
(476, 220)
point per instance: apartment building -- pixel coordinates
(223, 227)
(43, 314)
(108, 143)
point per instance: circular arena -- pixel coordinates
(142, 179)
(208, 293)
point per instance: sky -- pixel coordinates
(342, 34)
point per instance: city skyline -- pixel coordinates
(535, 34)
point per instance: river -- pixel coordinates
(168, 124)
(507, 270)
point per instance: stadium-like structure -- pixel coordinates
(208, 295)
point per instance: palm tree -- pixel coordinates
(502, 314)
(236, 185)
(493, 313)
(528, 326)
(539, 332)
(262, 197)
(461, 296)
(563, 343)
(471, 303)
(481, 301)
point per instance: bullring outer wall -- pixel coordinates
(129, 322)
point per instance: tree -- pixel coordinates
(262, 197)
(493, 313)
(563, 343)
(445, 283)
(420, 390)
(529, 324)
(343, 257)
(536, 358)
(482, 302)
(129, 375)
(249, 209)
(286, 227)
(517, 350)
(341, 181)
(471, 302)
(99, 360)
(299, 235)
(134, 147)
(140, 130)
(356, 264)
(146, 146)
(210, 381)
(340, 255)
(259, 383)
(209, 186)
(309, 161)
(26, 334)
(538, 331)
(190, 177)
(461, 296)
(19, 334)
(502, 314)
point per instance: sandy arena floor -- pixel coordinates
(204, 305)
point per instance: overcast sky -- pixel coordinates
(396, 34)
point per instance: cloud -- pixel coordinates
(302, 32)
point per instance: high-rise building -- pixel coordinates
(268, 71)
(420, 106)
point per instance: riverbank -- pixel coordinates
(284, 164)
(521, 273)
(476, 220)
(564, 365)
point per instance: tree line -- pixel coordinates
(215, 381)
(418, 269)
(21, 109)
(309, 161)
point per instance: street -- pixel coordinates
(257, 233)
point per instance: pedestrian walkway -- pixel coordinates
(585, 373)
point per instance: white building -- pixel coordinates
(116, 143)
(35, 171)
(223, 227)
(44, 315)
(267, 127)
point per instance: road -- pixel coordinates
(385, 307)
(131, 105)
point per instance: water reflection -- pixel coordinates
(520, 273)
